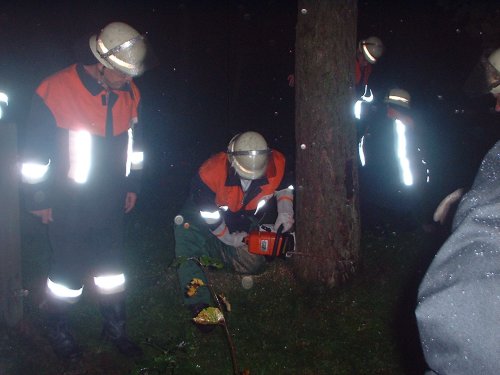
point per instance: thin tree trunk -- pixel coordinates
(327, 208)
(11, 292)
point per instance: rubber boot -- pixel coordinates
(113, 313)
(60, 338)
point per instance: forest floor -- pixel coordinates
(278, 326)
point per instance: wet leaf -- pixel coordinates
(191, 291)
(197, 282)
(192, 287)
(207, 261)
(209, 316)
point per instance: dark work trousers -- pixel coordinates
(194, 239)
(87, 233)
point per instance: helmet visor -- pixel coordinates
(251, 164)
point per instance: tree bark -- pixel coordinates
(327, 205)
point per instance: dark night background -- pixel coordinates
(223, 69)
(224, 64)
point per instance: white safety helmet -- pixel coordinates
(398, 97)
(494, 76)
(372, 48)
(248, 154)
(120, 47)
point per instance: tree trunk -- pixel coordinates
(327, 205)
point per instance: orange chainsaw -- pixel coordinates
(266, 242)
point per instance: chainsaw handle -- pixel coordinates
(277, 240)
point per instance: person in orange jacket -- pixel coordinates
(233, 193)
(81, 168)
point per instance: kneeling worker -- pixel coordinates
(230, 196)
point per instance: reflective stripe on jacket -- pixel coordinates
(66, 132)
(397, 114)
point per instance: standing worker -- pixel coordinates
(81, 170)
(394, 171)
(232, 194)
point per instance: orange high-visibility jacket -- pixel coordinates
(70, 101)
(75, 108)
(362, 73)
(227, 188)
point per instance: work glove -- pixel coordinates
(284, 219)
(285, 214)
(234, 239)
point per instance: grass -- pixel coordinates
(278, 327)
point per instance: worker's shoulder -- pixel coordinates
(69, 70)
(61, 81)
(277, 154)
(215, 161)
